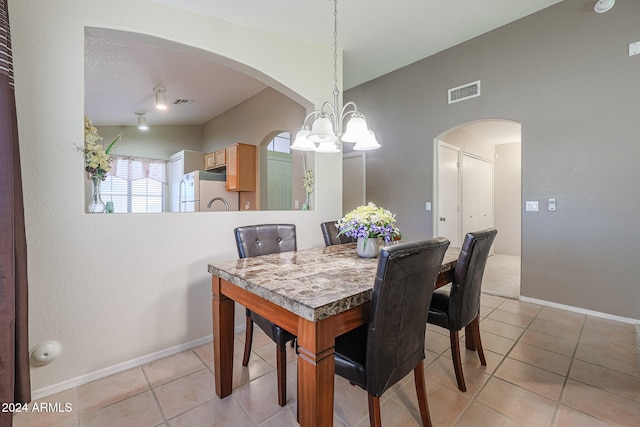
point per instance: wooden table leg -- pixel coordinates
(316, 371)
(222, 309)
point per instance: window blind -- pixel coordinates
(136, 185)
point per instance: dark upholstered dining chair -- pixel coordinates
(460, 308)
(255, 240)
(377, 355)
(330, 232)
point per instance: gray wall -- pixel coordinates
(565, 74)
(507, 201)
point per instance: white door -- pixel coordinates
(485, 195)
(448, 193)
(477, 194)
(470, 185)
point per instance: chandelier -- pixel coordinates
(326, 132)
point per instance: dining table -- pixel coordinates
(316, 294)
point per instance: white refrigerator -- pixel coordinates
(202, 191)
(180, 163)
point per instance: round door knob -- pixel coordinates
(443, 219)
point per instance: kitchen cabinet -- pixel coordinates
(215, 159)
(241, 167)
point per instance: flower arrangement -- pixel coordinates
(97, 161)
(308, 181)
(369, 221)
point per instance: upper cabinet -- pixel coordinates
(215, 159)
(241, 167)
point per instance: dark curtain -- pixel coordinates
(14, 346)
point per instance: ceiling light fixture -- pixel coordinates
(603, 6)
(142, 121)
(327, 128)
(161, 97)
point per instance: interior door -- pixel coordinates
(279, 181)
(470, 195)
(448, 193)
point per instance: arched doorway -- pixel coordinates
(477, 177)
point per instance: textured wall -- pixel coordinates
(116, 288)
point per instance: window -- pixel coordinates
(281, 143)
(136, 185)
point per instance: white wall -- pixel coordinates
(112, 288)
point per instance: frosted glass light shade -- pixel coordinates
(356, 129)
(322, 130)
(142, 122)
(302, 143)
(369, 143)
(161, 97)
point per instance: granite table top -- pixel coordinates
(312, 283)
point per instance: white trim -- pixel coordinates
(581, 310)
(120, 367)
(435, 204)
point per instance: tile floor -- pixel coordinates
(545, 367)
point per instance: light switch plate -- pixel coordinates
(531, 206)
(427, 206)
(552, 204)
(634, 48)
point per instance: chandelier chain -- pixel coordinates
(335, 48)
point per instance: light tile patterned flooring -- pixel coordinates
(545, 367)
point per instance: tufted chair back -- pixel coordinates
(330, 232)
(255, 240)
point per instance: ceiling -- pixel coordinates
(377, 37)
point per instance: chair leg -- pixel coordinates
(281, 371)
(475, 327)
(457, 361)
(469, 338)
(421, 391)
(248, 340)
(374, 411)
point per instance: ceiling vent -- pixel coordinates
(181, 101)
(461, 93)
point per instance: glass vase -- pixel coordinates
(96, 205)
(367, 248)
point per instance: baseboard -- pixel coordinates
(580, 310)
(120, 367)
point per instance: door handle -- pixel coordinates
(443, 219)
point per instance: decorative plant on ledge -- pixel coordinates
(97, 163)
(308, 181)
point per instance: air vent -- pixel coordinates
(181, 101)
(461, 93)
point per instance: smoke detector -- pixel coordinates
(603, 6)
